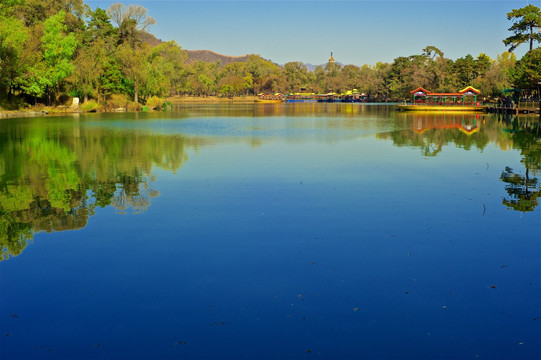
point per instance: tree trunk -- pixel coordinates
(135, 90)
(531, 37)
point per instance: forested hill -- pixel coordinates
(150, 39)
(198, 55)
(211, 56)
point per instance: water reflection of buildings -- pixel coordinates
(466, 123)
(431, 131)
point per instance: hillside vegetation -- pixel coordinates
(51, 51)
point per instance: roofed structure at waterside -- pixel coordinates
(468, 91)
(463, 100)
(422, 93)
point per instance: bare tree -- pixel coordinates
(131, 21)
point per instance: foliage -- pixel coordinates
(89, 106)
(527, 74)
(526, 20)
(13, 36)
(522, 190)
(54, 47)
(116, 101)
(154, 102)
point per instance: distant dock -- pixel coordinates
(528, 108)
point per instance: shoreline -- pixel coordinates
(41, 110)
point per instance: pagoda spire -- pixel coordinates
(331, 59)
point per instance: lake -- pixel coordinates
(290, 231)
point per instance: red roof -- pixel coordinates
(419, 89)
(445, 94)
(460, 93)
(470, 88)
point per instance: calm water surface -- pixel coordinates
(296, 231)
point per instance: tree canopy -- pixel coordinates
(51, 50)
(526, 20)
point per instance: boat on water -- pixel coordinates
(352, 96)
(424, 100)
(301, 97)
(270, 98)
(329, 98)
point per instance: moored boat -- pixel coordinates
(301, 97)
(270, 98)
(330, 98)
(464, 100)
(354, 95)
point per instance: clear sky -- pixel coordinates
(357, 31)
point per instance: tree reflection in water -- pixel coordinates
(51, 180)
(55, 174)
(430, 132)
(524, 189)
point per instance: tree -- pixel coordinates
(465, 70)
(526, 74)
(100, 27)
(90, 65)
(432, 51)
(169, 58)
(131, 22)
(58, 49)
(262, 71)
(526, 19)
(351, 75)
(296, 75)
(98, 44)
(496, 78)
(133, 62)
(13, 36)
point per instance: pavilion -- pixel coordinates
(425, 97)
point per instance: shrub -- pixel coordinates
(116, 101)
(133, 106)
(154, 102)
(89, 106)
(167, 105)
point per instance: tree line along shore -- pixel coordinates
(54, 51)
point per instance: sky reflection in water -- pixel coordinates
(270, 232)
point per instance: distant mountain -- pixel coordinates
(150, 39)
(211, 56)
(199, 55)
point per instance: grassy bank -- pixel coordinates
(40, 110)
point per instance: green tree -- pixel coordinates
(98, 44)
(496, 78)
(432, 51)
(527, 74)
(296, 75)
(170, 58)
(351, 76)
(58, 49)
(464, 69)
(13, 36)
(526, 20)
(134, 65)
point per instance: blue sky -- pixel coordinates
(357, 31)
